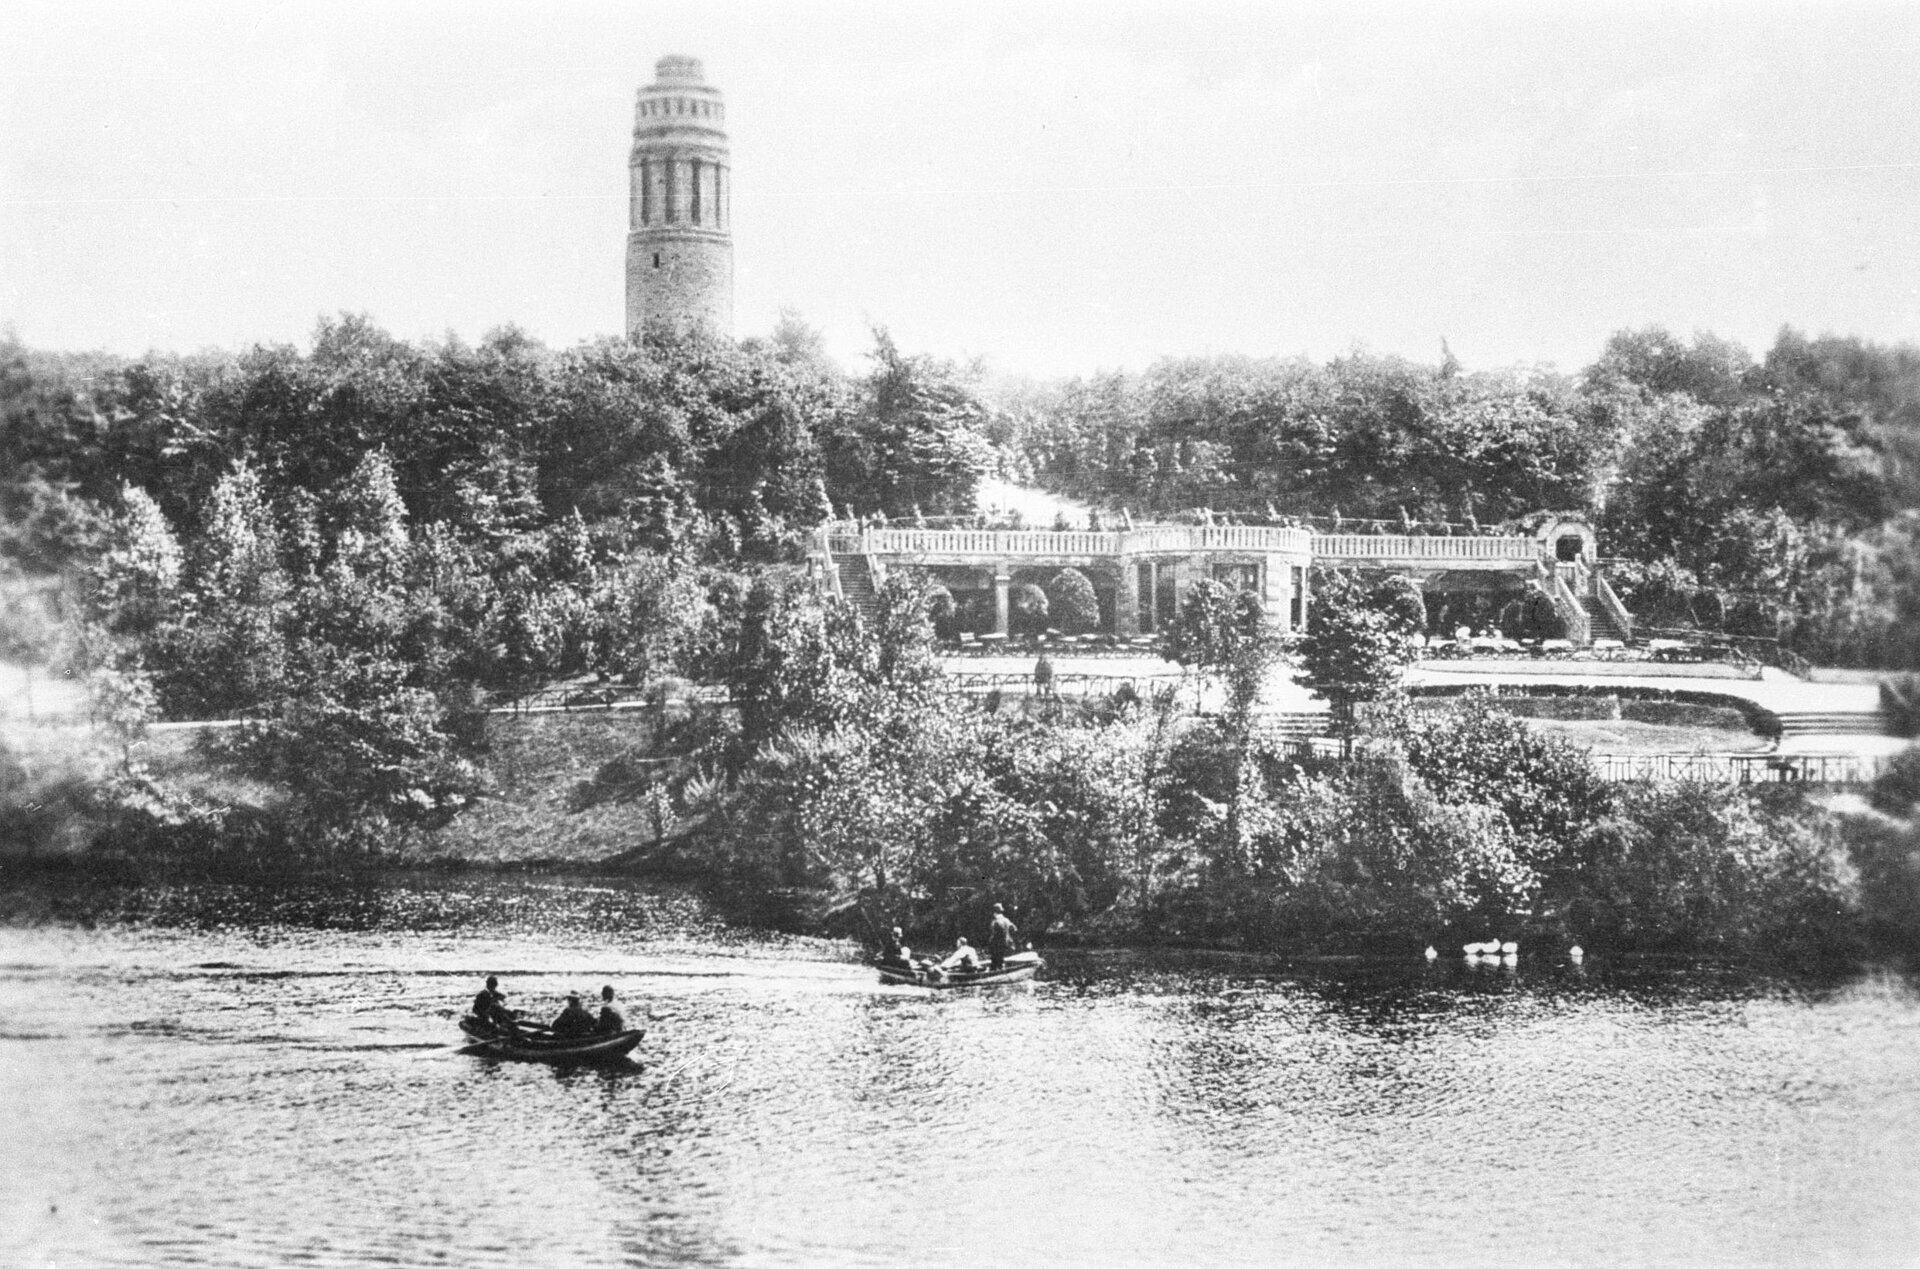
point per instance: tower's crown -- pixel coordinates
(677, 71)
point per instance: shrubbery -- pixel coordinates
(912, 807)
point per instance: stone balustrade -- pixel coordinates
(1337, 548)
(1011, 543)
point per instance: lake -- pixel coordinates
(207, 1075)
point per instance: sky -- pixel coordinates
(1056, 188)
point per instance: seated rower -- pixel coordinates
(611, 1020)
(963, 959)
(573, 1021)
(894, 952)
(490, 1005)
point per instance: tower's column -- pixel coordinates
(1002, 596)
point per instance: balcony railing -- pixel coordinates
(1335, 547)
(1171, 539)
(1263, 539)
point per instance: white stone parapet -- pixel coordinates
(1158, 539)
(1333, 548)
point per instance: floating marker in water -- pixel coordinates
(1575, 952)
(1431, 954)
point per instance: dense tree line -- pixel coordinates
(357, 547)
(1778, 498)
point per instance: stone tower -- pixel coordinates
(680, 212)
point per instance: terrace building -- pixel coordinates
(1140, 575)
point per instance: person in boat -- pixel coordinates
(612, 1019)
(490, 1005)
(1000, 936)
(962, 960)
(894, 952)
(574, 1021)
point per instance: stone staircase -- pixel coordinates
(856, 584)
(1601, 624)
(1839, 722)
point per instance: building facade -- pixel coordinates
(680, 205)
(1141, 575)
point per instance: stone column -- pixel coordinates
(1126, 599)
(1002, 584)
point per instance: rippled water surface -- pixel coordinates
(221, 1077)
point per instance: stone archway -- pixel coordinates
(1569, 540)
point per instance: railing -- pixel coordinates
(1368, 546)
(1579, 626)
(828, 567)
(1240, 537)
(1611, 604)
(1741, 768)
(845, 540)
(1143, 686)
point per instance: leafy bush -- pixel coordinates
(1367, 853)
(1546, 789)
(1897, 790)
(1887, 858)
(1074, 606)
(1029, 608)
(1704, 867)
(1532, 616)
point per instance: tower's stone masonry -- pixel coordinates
(680, 208)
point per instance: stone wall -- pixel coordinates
(679, 278)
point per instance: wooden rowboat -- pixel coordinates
(1018, 968)
(522, 1046)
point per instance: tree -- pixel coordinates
(358, 748)
(1225, 631)
(1351, 652)
(137, 578)
(917, 440)
(1402, 602)
(648, 615)
(227, 655)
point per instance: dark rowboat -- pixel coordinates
(542, 1046)
(1019, 968)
